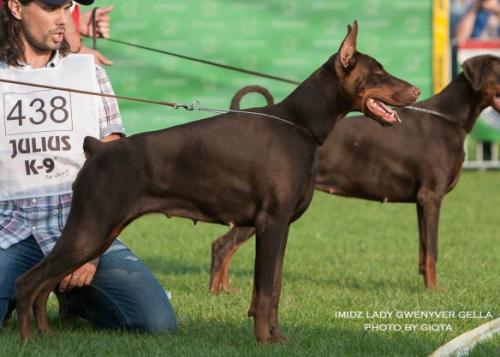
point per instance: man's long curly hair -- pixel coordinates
(11, 46)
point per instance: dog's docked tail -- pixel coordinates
(235, 102)
(90, 145)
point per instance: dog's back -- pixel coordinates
(366, 161)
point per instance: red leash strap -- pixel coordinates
(79, 91)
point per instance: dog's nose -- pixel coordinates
(407, 95)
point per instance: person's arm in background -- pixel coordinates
(103, 21)
(476, 19)
(492, 6)
(84, 27)
(72, 36)
(466, 26)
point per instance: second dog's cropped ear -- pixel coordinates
(473, 70)
(347, 49)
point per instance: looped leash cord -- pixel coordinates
(199, 60)
(94, 27)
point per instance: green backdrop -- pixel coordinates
(289, 38)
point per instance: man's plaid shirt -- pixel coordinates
(44, 217)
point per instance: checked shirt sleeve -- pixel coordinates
(110, 120)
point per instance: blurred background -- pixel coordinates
(413, 39)
(286, 38)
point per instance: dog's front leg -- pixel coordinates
(269, 243)
(421, 239)
(431, 206)
(274, 323)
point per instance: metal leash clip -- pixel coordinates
(195, 105)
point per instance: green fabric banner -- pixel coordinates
(285, 38)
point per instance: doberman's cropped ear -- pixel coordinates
(347, 49)
(90, 145)
(474, 71)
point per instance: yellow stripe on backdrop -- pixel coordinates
(441, 62)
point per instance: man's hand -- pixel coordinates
(80, 277)
(99, 57)
(111, 137)
(102, 20)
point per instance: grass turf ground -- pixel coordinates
(342, 255)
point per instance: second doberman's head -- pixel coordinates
(483, 74)
(364, 80)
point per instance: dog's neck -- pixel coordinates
(317, 104)
(458, 102)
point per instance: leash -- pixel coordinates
(79, 91)
(211, 63)
(431, 112)
(93, 20)
(195, 105)
(94, 27)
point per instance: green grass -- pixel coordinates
(343, 255)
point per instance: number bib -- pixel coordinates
(42, 130)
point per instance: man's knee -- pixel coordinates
(155, 320)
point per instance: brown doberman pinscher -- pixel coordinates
(417, 161)
(237, 169)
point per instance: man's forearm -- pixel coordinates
(466, 25)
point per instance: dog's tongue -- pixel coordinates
(380, 109)
(496, 102)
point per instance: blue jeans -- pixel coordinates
(124, 294)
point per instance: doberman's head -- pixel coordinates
(371, 87)
(483, 74)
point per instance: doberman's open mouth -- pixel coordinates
(379, 109)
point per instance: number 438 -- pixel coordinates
(57, 111)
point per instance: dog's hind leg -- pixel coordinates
(223, 250)
(23, 308)
(40, 309)
(75, 247)
(31, 295)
